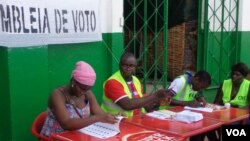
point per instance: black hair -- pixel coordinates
(240, 67)
(203, 76)
(125, 55)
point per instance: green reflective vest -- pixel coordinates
(109, 106)
(185, 93)
(241, 97)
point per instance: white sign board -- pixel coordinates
(41, 22)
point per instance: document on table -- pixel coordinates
(102, 130)
(208, 108)
(161, 114)
(204, 109)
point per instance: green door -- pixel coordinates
(218, 37)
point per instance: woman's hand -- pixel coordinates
(108, 118)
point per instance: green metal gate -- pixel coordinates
(145, 34)
(218, 37)
(148, 34)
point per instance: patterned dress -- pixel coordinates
(52, 126)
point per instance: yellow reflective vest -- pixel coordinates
(109, 106)
(185, 93)
(241, 97)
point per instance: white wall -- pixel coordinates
(244, 16)
(228, 17)
(111, 16)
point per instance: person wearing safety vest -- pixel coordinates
(235, 90)
(123, 94)
(187, 89)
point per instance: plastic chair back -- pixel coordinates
(37, 127)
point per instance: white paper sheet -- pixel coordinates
(204, 109)
(102, 130)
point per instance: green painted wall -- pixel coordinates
(245, 47)
(29, 74)
(5, 120)
(28, 78)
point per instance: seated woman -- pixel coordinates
(74, 106)
(235, 90)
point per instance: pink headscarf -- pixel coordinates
(84, 73)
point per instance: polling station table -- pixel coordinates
(128, 132)
(226, 116)
(175, 127)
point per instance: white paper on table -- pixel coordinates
(188, 116)
(203, 109)
(102, 130)
(161, 114)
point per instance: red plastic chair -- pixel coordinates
(37, 127)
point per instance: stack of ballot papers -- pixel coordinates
(103, 130)
(188, 116)
(162, 114)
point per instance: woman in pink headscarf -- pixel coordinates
(74, 106)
